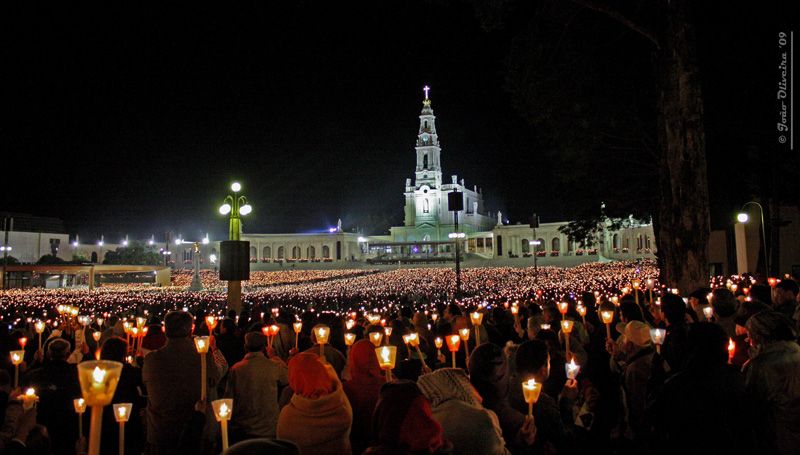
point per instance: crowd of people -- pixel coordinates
(624, 365)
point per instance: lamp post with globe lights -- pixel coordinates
(235, 206)
(742, 217)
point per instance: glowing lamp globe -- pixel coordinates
(236, 187)
(225, 209)
(98, 379)
(742, 217)
(245, 209)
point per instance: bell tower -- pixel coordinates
(429, 165)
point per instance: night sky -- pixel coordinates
(136, 119)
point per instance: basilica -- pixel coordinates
(428, 235)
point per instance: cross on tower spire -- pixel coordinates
(426, 89)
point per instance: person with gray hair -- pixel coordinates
(772, 382)
(253, 384)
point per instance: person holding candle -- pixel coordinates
(456, 405)
(253, 384)
(172, 377)
(784, 297)
(551, 414)
(130, 382)
(319, 417)
(56, 383)
(704, 407)
(363, 390)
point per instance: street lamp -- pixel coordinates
(743, 217)
(236, 206)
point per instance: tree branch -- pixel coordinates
(619, 17)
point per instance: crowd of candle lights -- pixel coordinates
(352, 295)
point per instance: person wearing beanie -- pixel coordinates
(403, 423)
(253, 384)
(363, 390)
(772, 382)
(172, 378)
(318, 417)
(457, 407)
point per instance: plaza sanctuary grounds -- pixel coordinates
(342, 291)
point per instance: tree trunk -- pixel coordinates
(683, 226)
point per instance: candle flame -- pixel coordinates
(731, 345)
(385, 355)
(98, 375)
(223, 410)
(122, 411)
(30, 392)
(438, 342)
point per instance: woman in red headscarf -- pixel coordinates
(363, 390)
(318, 417)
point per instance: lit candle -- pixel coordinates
(731, 350)
(434, 317)
(98, 381)
(298, 327)
(322, 332)
(636, 284)
(582, 312)
(80, 407)
(477, 319)
(438, 343)
(387, 355)
(464, 334)
(122, 412)
(39, 327)
(530, 391)
(349, 324)
(708, 312)
(562, 308)
(211, 323)
(544, 326)
(566, 328)
(201, 344)
(375, 338)
(607, 317)
(349, 339)
(651, 283)
(572, 369)
(29, 398)
(453, 343)
(222, 412)
(388, 332)
(16, 359)
(96, 336)
(658, 335)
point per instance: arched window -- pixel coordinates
(639, 243)
(615, 241)
(570, 245)
(426, 125)
(555, 244)
(425, 161)
(280, 252)
(94, 256)
(425, 206)
(267, 253)
(326, 252)
(253, 253)
(526, 246)
(296, 252)
(647, 242)
(311, 252)
(540, 246)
